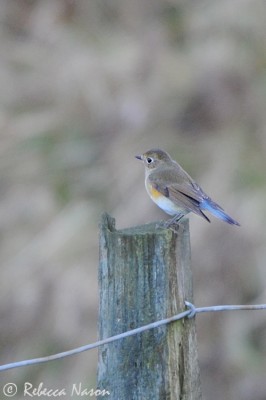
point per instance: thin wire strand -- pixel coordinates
(190, 313)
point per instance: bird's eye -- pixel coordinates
(149, 160)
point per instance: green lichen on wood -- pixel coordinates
(144, 276)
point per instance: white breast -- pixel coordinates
(168, 206)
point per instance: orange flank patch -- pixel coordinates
(163, 202)
(154, 193)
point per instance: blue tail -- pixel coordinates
(217, 211)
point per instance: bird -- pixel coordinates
(174, 191)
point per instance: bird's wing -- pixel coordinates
(184, 192)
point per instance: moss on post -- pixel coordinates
(144, 276)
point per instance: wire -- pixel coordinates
(189, 313)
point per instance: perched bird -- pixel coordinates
(174, 191)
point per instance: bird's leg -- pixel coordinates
(174, 220)
(171, 223)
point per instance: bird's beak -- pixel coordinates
(139, 157)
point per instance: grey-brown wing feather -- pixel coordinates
(185, 192)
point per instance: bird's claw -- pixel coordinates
(168, 225)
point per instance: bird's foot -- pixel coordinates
(173, 224)
(175, 227)
(168, 225)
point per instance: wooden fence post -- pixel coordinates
(144, 276)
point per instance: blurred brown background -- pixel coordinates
(86, 85)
